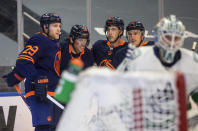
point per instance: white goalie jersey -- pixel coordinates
(144, 59)
(106, 100)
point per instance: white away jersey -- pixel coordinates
(145, 60)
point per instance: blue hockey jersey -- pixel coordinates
(104, 54)
(66, 55)
(40, 57)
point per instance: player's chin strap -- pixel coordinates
(48, 30)
(119, 36)
(72, 44)
(141, 40)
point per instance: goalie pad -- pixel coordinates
(106, 100)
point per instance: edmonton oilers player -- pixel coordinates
(104, 50)
(39, 63)
(76, 47)
(135, 34)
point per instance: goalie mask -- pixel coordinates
(169, 37)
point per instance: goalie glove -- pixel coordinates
(13, 78)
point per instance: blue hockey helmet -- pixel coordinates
(135, 25)
(114, 21)
(79, 31)
(49, 18)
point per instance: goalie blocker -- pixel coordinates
(115, 101)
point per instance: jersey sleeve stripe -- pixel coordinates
(26, 58)
(18, 77)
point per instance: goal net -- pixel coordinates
(107, 100)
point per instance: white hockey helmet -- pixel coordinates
(169, 37)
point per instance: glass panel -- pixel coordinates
(128, 10)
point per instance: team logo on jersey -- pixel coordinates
(57, 63)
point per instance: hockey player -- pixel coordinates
(135, 33)
(76, 47)
(39, 63)
(167, 54)
(104, 50)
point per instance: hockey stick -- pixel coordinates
(49, 97)
(55, 102)
(22, 96)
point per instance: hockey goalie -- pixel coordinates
(168, 55)
(105, 100)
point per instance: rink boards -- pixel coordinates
(14, 114)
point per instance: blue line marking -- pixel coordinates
(6, 94)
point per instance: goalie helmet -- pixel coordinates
(79, 31)
(114, 21)
(169, 37)
(49, 18)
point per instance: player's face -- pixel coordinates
(171, 41)
(80, 44)
(54, 30)
(113, 33)
(135, 37)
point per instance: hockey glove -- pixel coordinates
(13, 78)
(194, 98)
(40, 87)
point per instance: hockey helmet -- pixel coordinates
(114, 21)
(135, 25)
(79, 31)
(169, 36)
(49, 18)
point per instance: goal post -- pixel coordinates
(107, 100)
